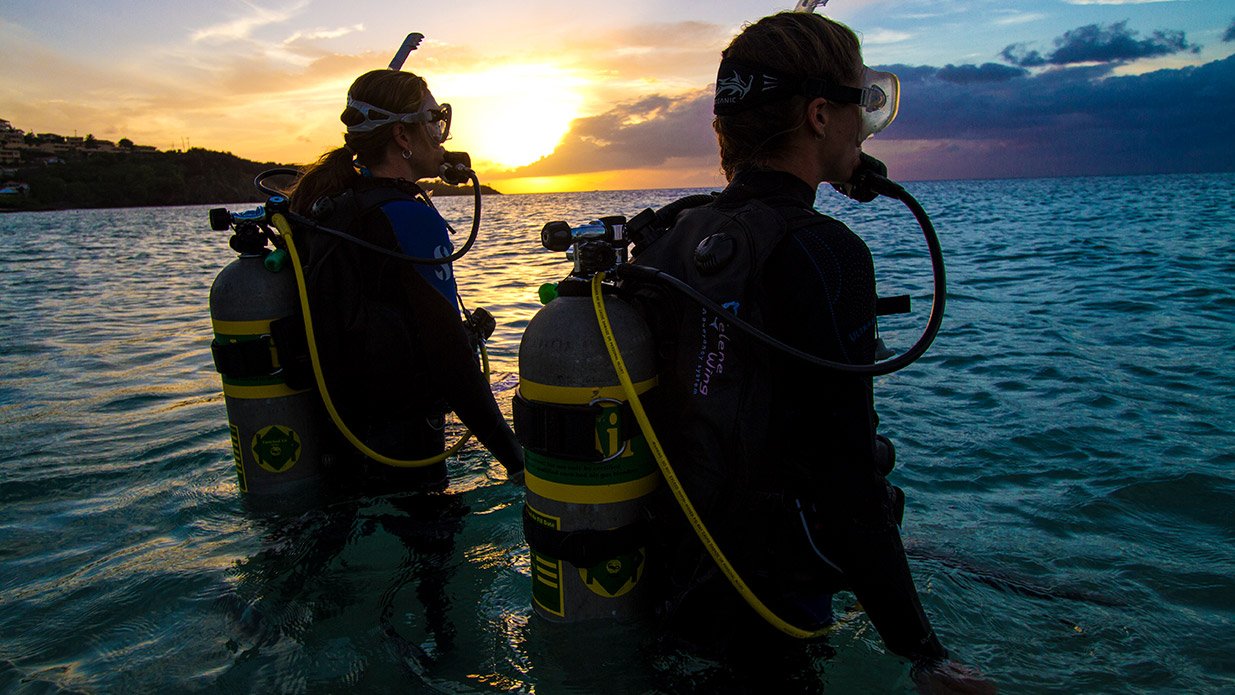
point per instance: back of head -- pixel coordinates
(793, 43)
(395, 91)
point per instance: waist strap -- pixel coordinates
(586, 547)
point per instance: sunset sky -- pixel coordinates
(551, 95)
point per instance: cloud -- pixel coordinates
(319, 34)
(1094, 43)
(1018, 18)
(1115, 2)
(987, 72)
(243, 27)
(635, 135)
(1061, 122)
(963, 121)
(882, 37)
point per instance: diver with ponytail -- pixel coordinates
(396, 354)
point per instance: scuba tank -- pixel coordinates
(273, 410)
(588, 469)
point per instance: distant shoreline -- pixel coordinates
(150, 179)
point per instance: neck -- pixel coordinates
(801, 161)
(389, 170)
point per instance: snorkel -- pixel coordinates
(456, 167)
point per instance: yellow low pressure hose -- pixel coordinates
(696, 522)
(285, 231)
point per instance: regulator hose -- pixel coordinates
(938, 300)
(312, 224)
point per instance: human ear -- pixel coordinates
(401, 136)
(817, 117)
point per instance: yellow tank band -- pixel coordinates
(263, 391)
(241, 327)
(592, 494)
(577, 395)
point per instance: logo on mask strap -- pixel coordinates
(734, 87)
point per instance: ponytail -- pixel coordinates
(331, 174)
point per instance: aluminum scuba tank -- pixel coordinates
(273, 409)
(589, 472)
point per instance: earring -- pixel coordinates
(407, 154)
(820, 136)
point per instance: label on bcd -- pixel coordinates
(546, 571)
(276, 448)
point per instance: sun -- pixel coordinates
(509, 115)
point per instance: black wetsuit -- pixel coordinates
(394, 351)
(796, 433)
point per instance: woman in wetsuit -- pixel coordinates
(781, 458)
(394, 350)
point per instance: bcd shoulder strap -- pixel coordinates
(648, 226)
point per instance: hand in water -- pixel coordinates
(515, 478)
(945, 677)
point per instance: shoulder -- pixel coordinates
(411, 212)
(820, 250)
(813, 232)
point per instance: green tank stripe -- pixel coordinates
(635, 463)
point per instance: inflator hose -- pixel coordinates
(312, 224)
(658, 452)
(285, 232)
(939, 298)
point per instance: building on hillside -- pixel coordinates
(17, 147)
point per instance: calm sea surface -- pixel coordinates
(1067, 446)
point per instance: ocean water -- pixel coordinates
(1067, 447)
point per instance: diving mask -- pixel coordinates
(879, 100)
(436, 118)
(741, 86)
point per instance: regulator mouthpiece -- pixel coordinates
(870, 180)
(456, 169)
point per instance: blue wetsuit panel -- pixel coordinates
(421, 232)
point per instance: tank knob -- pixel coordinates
(220, 219)
(556, 236)
(714, 253)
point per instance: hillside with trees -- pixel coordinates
(131, 179)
